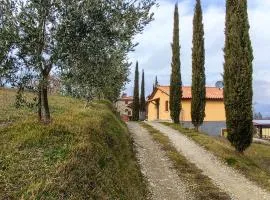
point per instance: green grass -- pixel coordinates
(200, 185)
(83, 154)
(8, 112)
(254, 164)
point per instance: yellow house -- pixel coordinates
(158, 107)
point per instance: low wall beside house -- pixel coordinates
(211, 128)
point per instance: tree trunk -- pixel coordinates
(44, 104)
(39, 102)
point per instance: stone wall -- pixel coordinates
(211, 128)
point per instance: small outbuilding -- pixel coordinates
(124, 107)
(263, 128)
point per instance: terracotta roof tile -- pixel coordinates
(211, 92)
(130, 98)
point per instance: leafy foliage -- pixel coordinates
(97, 45)
(238, 75)
(87, 41)
(8, 36)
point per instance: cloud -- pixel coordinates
(154, 51)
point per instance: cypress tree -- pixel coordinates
(175, 82)
(142, 100)
(156, 82)
(238, 71)
(136, 101)
(260, 117)
(198, 71)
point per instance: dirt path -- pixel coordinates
(235, 184)
(164, 182)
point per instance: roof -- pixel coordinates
(129, 98)
(261, 122)
(211, 92)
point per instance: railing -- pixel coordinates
(262, 132)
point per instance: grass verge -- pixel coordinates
(200, 185)
(83, 154)
(254, 164)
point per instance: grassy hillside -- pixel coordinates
(254, 164)
(83, 154)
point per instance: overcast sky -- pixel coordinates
(154, 51)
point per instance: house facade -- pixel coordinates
(215, 118)
(124, 106)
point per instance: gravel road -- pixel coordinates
(163, 180)
(229, 180)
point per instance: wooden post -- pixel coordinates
(157, 109)
(260, 127)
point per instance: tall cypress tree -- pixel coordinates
(142, 100)
(136, 101)
(198, 71)
(238, 71)
(175, 83)
(156, 82)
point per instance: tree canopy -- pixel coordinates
(85, 41)
(96, 48)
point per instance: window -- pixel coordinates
(166, 105)
(126, 110)
(129, 113)
(126, 101)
